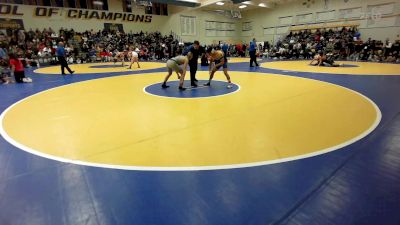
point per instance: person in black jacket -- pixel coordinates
(194, 52)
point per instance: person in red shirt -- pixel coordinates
(41, 46)
(17, 68)
(239, 49)
(103, 55)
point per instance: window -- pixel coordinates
(25, 2)
(188, 25)
(105, 5)
(71, 3)
(219, 29)
(145, 6)
(12, 1)
(164, 9)
(247, 26)
(127, 5)
(59, 3)
(47, 2)
(83, 4)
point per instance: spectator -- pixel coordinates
(345, 43)
(17, 68)
(3, 52)
(4, 72)
(92, 54)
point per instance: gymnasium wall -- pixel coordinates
(187, 23)
(60, 18)
(378, 19)
(208, 27)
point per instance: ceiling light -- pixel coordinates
(262, 5)
(242, 6)
(220, 3)
(247, 2)
(96, 2)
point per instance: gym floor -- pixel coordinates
(289, 143)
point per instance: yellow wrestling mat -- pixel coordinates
(360, 68)
(109, 67)
(112, 122)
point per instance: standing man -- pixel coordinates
(194, 52)
(252, 52)
(61, 58)
(225, 49)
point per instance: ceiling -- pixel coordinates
(228, 4)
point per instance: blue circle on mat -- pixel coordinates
(342, 65)
(117, 65)
(217, 88)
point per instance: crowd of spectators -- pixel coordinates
(39, 46)
(344, 43)
(86, 46)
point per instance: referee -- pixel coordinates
(61, 58)
(194, 51)
(252, 52)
